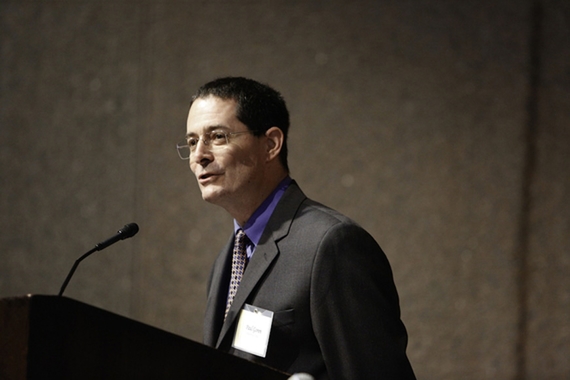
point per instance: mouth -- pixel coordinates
(204, 177)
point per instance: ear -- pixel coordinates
(275, 139)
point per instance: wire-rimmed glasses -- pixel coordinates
(214, 139)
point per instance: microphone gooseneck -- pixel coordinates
(129, 230)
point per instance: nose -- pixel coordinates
(202, 154)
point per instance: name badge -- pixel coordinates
(253, 328)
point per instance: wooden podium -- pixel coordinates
(51, 337)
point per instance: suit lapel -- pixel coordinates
(253, 273)
(265, 253)
(217, 295)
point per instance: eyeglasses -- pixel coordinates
(214, 139)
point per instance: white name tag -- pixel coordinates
(252, 332)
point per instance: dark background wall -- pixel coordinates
(441, 126)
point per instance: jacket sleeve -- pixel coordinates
(355, 308)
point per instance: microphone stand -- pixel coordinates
(127, 231)
(75, 265)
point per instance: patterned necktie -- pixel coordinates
(238, 266)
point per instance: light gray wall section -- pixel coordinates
(440, 126)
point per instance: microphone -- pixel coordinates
(129, 230)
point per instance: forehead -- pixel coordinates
(210, 113)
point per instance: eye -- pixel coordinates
(218, 137)
(192, 141)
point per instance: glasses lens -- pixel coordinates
(218, 138)
(183, 150)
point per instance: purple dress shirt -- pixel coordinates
(255, 225)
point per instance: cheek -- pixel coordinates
(192, 167)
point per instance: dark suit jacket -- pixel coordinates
(330, 286)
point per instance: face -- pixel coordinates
(228, 175)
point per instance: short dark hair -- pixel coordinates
(259, 106)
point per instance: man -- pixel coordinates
(317, 293)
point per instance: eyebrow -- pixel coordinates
(210, 129)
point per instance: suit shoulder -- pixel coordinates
(311, 209)
(307, 218)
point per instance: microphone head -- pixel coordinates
(129, 230)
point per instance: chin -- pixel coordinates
(210, 195)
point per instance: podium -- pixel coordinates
(51, 337)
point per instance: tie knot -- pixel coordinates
(240, 234)
(240, 240)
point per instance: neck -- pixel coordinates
(242, 212)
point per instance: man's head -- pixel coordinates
(259, 106)
(237, 165)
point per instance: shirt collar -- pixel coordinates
(255, 225)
